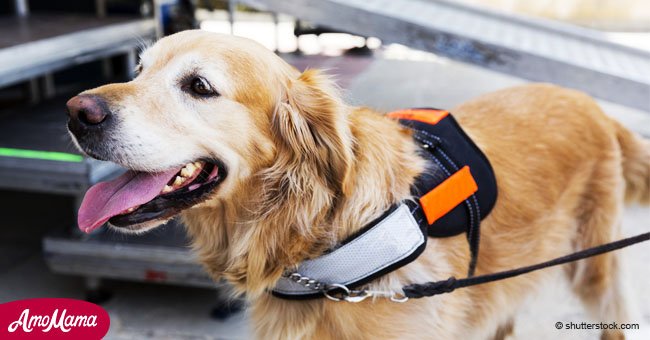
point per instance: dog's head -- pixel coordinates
(207, 114)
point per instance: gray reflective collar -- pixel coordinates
(392, 241)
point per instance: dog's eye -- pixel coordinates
(201, 87)
(138, 69)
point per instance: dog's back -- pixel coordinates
(564, 170)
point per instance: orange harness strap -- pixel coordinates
(428, 116)
(450, 193)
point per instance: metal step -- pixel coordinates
(535, 49)
(162, 256)
(44, 43)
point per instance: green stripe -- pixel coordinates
(45, 155)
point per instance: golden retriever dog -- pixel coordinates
(269, 167)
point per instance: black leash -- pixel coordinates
(416, 291)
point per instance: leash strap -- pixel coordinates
(416, 291)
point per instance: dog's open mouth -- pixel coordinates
(137, 197)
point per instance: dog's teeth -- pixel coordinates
(132, 209)
(167, 189)
(178, 181)
(198, 164)
(188, 170)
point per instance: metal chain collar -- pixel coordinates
(339, 292)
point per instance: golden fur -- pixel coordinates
(307, 170)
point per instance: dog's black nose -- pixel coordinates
(86, 112)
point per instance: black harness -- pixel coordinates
(448, 149)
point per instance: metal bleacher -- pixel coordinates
(535, 49)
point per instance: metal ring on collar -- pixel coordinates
(334, 286)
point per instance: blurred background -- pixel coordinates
(385, 54)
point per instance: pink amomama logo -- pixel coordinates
(52, 318)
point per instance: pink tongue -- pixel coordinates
(107, 199)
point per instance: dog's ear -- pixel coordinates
(302, 186)
(311, 122)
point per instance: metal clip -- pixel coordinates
(344, 293)
(399, 298)
(394, 297)
(354, 296)
(357, 296)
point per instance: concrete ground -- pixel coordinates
(395, 79)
